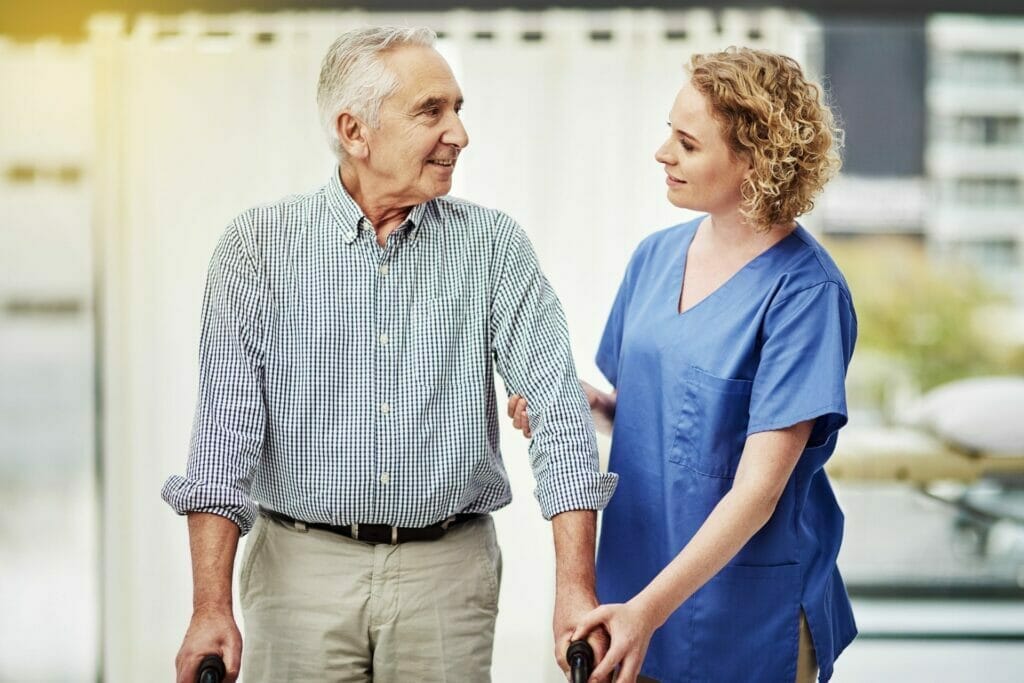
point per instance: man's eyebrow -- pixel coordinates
(435, 101)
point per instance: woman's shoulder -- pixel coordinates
(807, 264)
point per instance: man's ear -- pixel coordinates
(351, 134)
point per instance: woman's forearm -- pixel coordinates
(766, 465)
(602, 407)
(732, 523)
(606, 407)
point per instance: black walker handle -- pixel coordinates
(581, 660)
(211, 670)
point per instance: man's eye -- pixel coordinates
(686, 145)
(432, 111)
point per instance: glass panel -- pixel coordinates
(49, 540)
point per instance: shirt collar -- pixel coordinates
(352, 218)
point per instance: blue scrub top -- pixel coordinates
(766, 350)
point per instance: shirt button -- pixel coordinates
(383, 339)
(383, 270)
(385, 478)
(385, 408)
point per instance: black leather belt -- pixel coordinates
(378, 533)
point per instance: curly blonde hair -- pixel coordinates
(775, 118)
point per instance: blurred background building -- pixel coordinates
(975, 152)
(130, 141)
(932, 110)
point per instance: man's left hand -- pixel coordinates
(570, 607)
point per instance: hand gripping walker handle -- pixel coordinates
(211, 670)
(581, 660)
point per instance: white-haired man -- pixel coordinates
(346, 407)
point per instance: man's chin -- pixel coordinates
(435, 189)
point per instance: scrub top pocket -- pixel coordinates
(712, 427)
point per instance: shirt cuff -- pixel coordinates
(185, 496)
(565, 491)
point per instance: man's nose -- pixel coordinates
(456, 134)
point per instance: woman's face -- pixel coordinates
(702, 174)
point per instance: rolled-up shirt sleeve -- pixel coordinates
(530, 341)
(230, 420)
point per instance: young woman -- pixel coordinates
(727, 346)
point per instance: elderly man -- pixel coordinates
(346, 406)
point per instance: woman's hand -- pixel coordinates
(602, 407)
(520, 418)
(630, 626)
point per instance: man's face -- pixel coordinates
(412, 153)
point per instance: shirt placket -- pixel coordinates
(386, 293)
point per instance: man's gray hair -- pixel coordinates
(354, 77)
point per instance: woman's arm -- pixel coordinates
(602, 407)
(765, 467)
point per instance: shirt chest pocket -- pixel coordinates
(712, 426)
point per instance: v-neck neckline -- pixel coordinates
(681, 272)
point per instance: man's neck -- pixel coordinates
(380, 210)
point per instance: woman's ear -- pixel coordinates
(749, 170)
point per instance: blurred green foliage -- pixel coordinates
(922, 313)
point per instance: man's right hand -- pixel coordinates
(212, 631)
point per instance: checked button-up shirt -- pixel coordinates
(344, 382)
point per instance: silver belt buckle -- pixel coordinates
(355, 531)
(394, 535)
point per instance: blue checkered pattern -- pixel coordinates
(344, 382)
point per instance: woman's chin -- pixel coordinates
(680, 202)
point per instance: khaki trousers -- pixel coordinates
(806, 659)
(321, 607)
